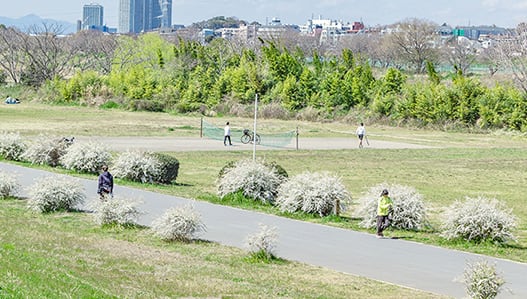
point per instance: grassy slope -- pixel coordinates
(65, 255)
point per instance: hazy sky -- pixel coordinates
(504, 13)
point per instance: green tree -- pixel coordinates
(433, 76)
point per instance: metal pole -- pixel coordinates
(297, 137)
(201, 128)
(254, 129)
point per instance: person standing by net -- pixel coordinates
(361, 133)
(227, 134)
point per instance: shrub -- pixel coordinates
(12, 146)
(55, 193)
(315, 193)
(116, 211)
(409, 210)
(482, 280)
(181, 223)
(228, 165)
(109, 105)
(262, 244)
(273, 111)
(86, 157)
(279, 169)
(478, 219)
(136, 166)
(254, 179)
(309, 114)
(45, 150)
(9, 185)
(168, 168)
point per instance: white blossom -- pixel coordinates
(253, 179)
(316, 193)
(55, 193)
(179, 223)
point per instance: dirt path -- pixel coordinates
(175, 144)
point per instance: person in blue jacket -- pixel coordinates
(105, 184)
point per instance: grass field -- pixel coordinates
(65, 255)
(461, 164)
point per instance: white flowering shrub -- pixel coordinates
(45, 150)
(86, 157)
(482, 281)
(9, 186)
(478, 219)
(409, 209)
(55, 193)
(263, 243)
(314, 193)
(179, 224)
(254, 179)
(116, 211)
(272, 164)
(12, 146)
(136, 166)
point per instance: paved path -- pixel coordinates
(400, 262)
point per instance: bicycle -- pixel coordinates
(249, 137)
(67, 141)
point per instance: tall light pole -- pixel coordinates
(254, 128)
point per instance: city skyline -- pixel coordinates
(503, 13)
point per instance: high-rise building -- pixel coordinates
(137, 16)
(92, 16)
(166, 10)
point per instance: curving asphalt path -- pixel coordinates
(399, 262)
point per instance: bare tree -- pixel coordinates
(513, 54)
(491, 57)
(48, 52)
(384, 52)
(95, 50)
(362, 45)
(126, 52)
(221, 51)
(414, 41)
(460, 53)
(12, 57)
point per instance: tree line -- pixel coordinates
(390, 76)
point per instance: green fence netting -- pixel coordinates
(266, 139)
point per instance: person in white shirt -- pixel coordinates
(361, 132)
(227, 134)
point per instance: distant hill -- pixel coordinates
(26, 22)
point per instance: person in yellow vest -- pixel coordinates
(384, 209)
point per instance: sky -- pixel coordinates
(503, 13)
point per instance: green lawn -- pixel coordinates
(65, 255)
